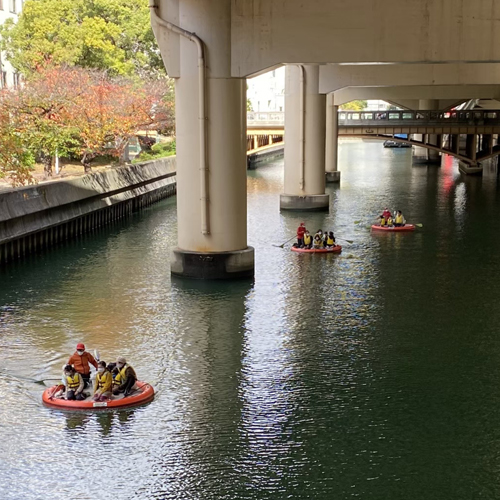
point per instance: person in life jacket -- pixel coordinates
(74, 384)
(300, 235)
(399, 220)
(103, 383)
(330, 240)
(319, 233)
(389, 221)
(307, 240)
(386, 213)
(125, 378)
(82, 360)
(383, 220)
(318, 241)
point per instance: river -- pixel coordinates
(372, 374)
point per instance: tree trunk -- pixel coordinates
(86, 159)
(47, 165)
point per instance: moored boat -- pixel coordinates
(405, 228)
(141, 393)
(335, 249)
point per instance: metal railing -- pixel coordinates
(265, 118)
(390, 117)
(408, 117)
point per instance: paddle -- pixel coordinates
(418, 225)
(283, 244)
(348, 241)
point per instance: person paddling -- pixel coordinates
(82, 360)
(386, 213)
(330, 240)
(300, 235)
(74, 384)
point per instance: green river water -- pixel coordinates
(374, 374)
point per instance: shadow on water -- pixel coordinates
(104, 421)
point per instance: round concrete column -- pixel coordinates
(212, 229)
(332, 130)
(305, 117)
(425, 155)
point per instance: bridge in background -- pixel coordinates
(434, 130)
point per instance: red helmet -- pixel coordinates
(80, 347)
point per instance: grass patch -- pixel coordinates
(160, 150)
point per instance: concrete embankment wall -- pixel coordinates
(39, 217)
(267, 154)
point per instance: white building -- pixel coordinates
(267, 92)
(8, 76)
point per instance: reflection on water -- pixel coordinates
(369, 374)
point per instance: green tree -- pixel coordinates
(354, 106)
(113, 35)
(16, 159)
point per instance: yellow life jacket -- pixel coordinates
(101, 378)
(382, 221)
(307, 239)
(73, 381)
(120, 376)
(329, 241)
(389, 221)
(399, 219)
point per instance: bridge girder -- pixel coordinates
(334, 77)
(409, 96)
(266, 33)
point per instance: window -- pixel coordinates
(4, 79)
(367, 116)
(393, 116)
(16, 80)
(407, 116)
(12, 6)
(1, 4)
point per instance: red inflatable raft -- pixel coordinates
(335, 249)
(406, 227)
(142, 394)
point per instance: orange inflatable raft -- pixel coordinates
(141, 394)
(406, 227)
(335, 249)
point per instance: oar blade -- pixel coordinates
(419, 225)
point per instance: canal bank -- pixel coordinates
(42, 216)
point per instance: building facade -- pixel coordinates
(8, 76)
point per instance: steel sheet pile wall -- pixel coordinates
(39, 217)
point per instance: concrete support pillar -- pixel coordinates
(424, 155)
(471, 146)
(332, 144)
(211, 198)
(455, 143)
(305, 118)
(487, 143)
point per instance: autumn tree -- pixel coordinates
(354, 106)
(38, 107)
(113, 35)
(106, 115)
(16, 159)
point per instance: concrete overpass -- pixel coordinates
(330, 47)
